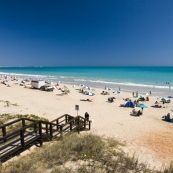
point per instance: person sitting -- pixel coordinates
(167, 117)
(134, 111)
(111, 99)
(147, 98)
(103, 92)
(126, 99)
(139, 113)
(156, 102)
(135, 102)
(122, 105)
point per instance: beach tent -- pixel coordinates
(89, 93)
(147, 94)
(130, 104)
(108, 89)
(117, 92)
(170, 96)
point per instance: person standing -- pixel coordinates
(142, 109)
(133, 94)
(136, 93)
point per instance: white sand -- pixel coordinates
(147, 136)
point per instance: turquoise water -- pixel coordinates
(151, 77)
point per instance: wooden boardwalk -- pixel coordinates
(34, 132)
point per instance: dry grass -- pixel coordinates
(4, 118)
(85, 153)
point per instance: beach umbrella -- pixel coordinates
(142, 106)
(147, 94)
(170, 96)
(161, 98)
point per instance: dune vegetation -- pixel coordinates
(79, 153)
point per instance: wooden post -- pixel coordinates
(57, 123)
(89, 125)
(61, 131)
(84, 123)
(46, 128)
(22, 138)
(51, 130)
(78, 124)
(23, 124)
(66, 119)
(40, 133)
(4, 132)
(35, 128)
(70, 126)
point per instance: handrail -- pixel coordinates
(16, 131)
(40, 128)
(12, 122)
(59, 117)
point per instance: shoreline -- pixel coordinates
(147, 136)
(157, 90)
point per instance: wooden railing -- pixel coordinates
(34, 132)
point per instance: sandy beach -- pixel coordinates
(146, 136)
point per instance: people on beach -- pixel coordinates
(134, 111)
(136, 93)
(86, 116)
(156, 102)
(133, 94)
(147, 98)
(167, 117)
(139, 113)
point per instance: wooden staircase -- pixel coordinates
(34, 132)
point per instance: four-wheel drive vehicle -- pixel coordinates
(47, 88)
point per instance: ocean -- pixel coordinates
(159, 80)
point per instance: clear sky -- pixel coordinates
(86, 32)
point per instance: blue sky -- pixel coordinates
(86, 33)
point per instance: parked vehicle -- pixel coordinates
(37, 83)
(47, 88)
